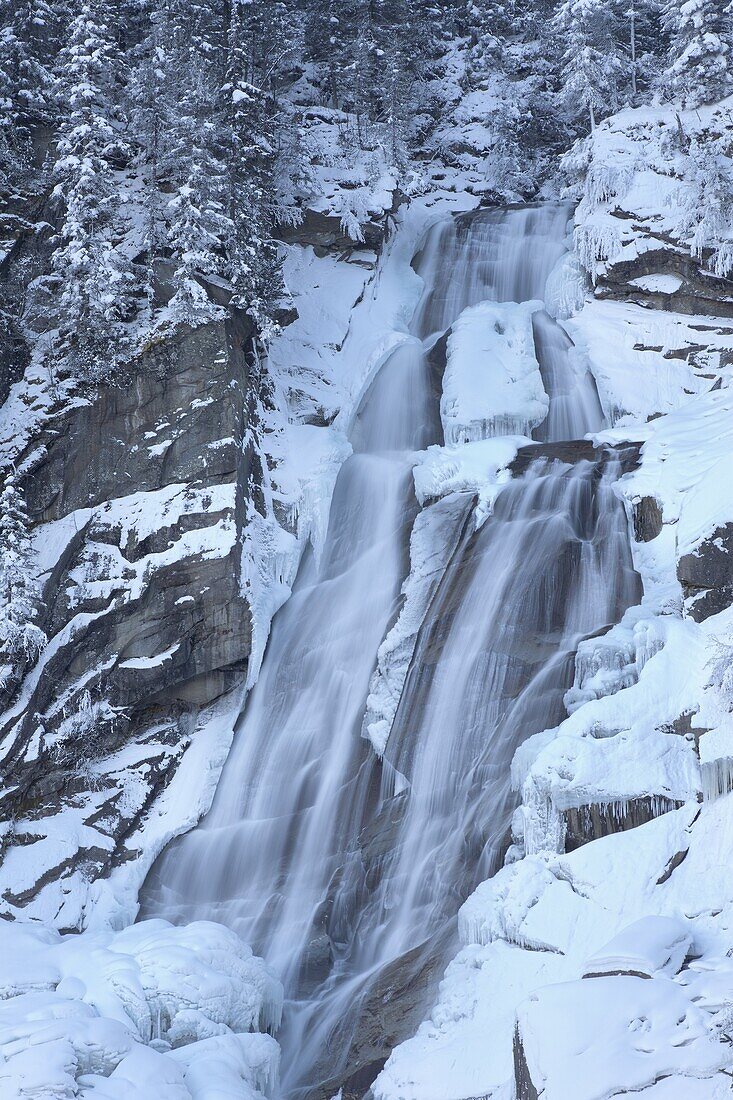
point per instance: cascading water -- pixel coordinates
(278, 857)
(575, 408)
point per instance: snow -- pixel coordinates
(151, 662)
(643, 192)
(648, 947)
(436, 532)
(616, 749)
(465, 1048)
(492, 383)
(659, 284)
(542, 923)
(479, 466)
(583, 1040)
(155, 1011)
(627, 350)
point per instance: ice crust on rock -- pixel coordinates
(154, 1011)
(590, 1039)
(492, 384)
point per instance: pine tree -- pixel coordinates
(29, 41)
(30, 37)
(147, 94)
(489, 22)
(256, 45)
(194, 244)
(21, 640)
(707, 210)
(644, 43)
(591, 66)
(95, 279)
(329, 37)
(700, 51)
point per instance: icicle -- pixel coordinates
(717, 778)
(596, 243)
(271, 1006)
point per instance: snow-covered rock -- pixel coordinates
(492, 384)
(154, 1011)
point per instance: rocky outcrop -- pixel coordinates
(140, 495)
(325, 233)
(390, 1011)
(706, 575)
(523, 1084)
(572, 451)
(697, 292)
(647, 519)
(596, 819)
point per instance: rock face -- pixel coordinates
(595, 820)
(523, 1084)
(575, 450)
(647, 517)
(391, 1011)
(140, 498)
(698, 292)
(325, 233)
(706, 575)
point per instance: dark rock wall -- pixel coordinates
(706, 575)
(140, 493)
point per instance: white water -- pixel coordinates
(278, 857)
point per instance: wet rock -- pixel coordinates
(647, 517)
(448, 522)
(316, 963)
(706, 575)
(572, 451)
(441, 606)
(378, 842)
(390, 1012)
(438, 361)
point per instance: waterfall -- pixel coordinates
(280, 855)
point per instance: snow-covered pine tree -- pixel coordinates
(255, 54)
(147, 106)
(488, 22)
(21, 640)
(699, 61)
(30, 33)
(591, 67)
(30, 38)
(95, 278)
(194, 165)
(707, 208)
(644, 43)
(196, 227)
(329, 33)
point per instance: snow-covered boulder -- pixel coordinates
(649, 946)
(155, 1011)
(492, 383)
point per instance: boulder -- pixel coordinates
(706, 575)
